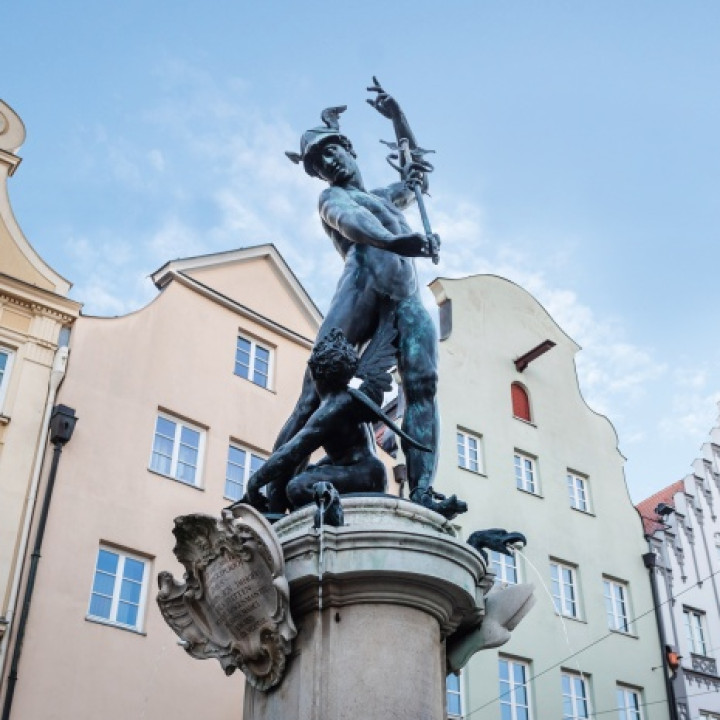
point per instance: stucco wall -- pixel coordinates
(177, 354)
(493, 323)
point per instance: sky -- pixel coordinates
(577, 154)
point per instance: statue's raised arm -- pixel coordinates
(389, 107)
(407, 157)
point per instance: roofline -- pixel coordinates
(441, 295)
(237, 307)
(164, 274)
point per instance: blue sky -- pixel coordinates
(578, 154)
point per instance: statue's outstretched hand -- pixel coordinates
(384, 103)
(417, 245)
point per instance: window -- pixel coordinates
(514, 694)
(252, 361)
(705, 715)
(564, 589)
(628, 701)
(241, 464)
(453, 695)
(526, 473)
(504, 567)
(575, 697)
(695, 631)
(6, 358)
(520, 402)
(616, 605)
(177, 450)
(578, 492)
(119, 589)
(469, 451)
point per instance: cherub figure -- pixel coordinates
(339, 424)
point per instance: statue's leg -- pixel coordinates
(355, 311)
(417, 365)
(368, 475)
(305, 407)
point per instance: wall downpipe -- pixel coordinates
(62, 424)
(57, 374)
(650, 561)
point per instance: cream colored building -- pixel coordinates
(683, 529)
(522, 447)
(176, 403)
(35, 315)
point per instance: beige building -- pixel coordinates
(35, 315)
(176, 404)
(522, 447)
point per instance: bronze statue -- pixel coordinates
(369, 230)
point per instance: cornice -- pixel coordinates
(38, 301)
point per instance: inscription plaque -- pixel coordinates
(233, 603)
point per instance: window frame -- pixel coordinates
(465, 462)
(520, 458)
(123, 556)
(508, 695)
(561, 596)
(573, 479)
(625, 709)
(174, 458)
(618, 621)
(458, 693)
(503, 565)
(252, 359)
(6, 372)
(574, 697)
(247, 467)
(692, 632)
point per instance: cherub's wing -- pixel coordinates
(373, 412)
(379, 358)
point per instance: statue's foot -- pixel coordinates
(448, 507)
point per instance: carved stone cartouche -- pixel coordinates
(233, 604)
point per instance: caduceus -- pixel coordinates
(407, 157)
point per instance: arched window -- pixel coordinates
(520, 402)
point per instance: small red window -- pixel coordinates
(520, 402)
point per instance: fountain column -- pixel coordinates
(395, 582)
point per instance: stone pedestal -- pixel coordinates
(373, 601)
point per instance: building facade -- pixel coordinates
(683, 531)
(35, 317)
(176, 404)
(521, 446)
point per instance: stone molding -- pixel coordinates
(12, 130)
(390, 551)
(55, 311)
